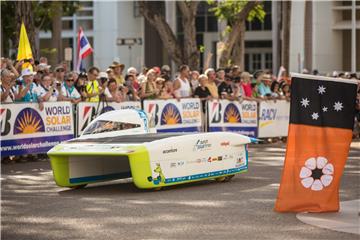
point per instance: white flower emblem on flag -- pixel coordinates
(317, 173)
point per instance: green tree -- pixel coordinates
(235, 13)
(37, 15)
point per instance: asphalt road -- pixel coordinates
(33, 207)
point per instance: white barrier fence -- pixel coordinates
(176, 116)
(273, 119)
(233, 116)
(25, 129)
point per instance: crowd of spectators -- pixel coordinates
(37, 81)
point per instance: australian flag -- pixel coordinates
(84, 49)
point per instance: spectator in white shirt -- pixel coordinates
(68, 91)
(8, 90)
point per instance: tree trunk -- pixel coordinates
(167, 36)
(24, 13)
(286, 19)
(190, 52)
(56, 41)
(308, 36)
(235, 33)
(238, 52)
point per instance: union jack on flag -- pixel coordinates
(84, 48)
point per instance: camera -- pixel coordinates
(82, 88)
(18, 82)
(58, 84)
(103, 80)
(237, 79)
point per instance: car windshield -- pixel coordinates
(109, 126)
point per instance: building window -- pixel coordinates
(268, 60)
(205, 20)
(256, 61)
(257, 25)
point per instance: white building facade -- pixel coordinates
(117, 31)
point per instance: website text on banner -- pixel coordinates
(87, 111)
(175, 116)
(273, 118)
(25, 129)
(232, 116)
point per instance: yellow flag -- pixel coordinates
(24, 50)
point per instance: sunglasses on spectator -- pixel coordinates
(70, 80)
(60, 70)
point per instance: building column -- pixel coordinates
(353, 36)
(275, 36)
(170, 16)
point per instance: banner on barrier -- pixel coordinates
(233, 116)
(87, 111)
(175, 116)
(26, 130)
(273, 118)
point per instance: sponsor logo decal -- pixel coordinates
(170, 115)
(171, 150)
(225, 144)
(28, 121)
(232, 114)
(201, 145)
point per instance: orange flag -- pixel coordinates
(321, 121)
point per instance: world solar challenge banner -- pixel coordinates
(233, 116)
(87, 111)
(25, 129)
(173, 115)
(273, 118)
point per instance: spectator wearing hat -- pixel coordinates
(264, 86)
(8, 90)
(211, 85)
(118, 69)
(93, 88)
(166, 72)
(182, 86)
(148, 88)
(59, 74)
(43, 68)
(135, 82)
(225, 90)
(68, 90)
(27, 88)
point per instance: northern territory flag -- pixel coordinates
(322, 114)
